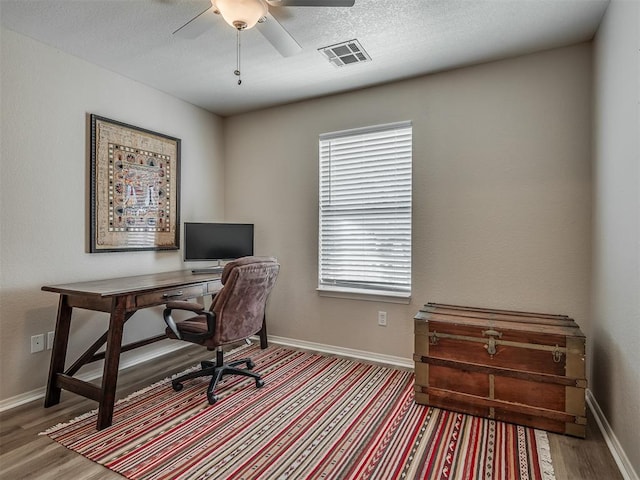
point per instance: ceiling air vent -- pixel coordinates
(345, 53)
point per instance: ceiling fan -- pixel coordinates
(245, 14)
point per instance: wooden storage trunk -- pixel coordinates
(518, 367)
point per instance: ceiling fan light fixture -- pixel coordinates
(241, 14)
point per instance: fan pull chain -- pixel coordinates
(237, 71)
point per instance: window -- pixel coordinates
(365, 211)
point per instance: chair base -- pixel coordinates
(217, 370)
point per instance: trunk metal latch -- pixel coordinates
(491, 343)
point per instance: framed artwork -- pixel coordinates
(135, 181)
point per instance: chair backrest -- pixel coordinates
(240, 304)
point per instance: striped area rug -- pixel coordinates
(317, 417)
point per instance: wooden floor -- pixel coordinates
(26, 455)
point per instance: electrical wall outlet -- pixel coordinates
(382, 319)
(50, 340)
(37, 343)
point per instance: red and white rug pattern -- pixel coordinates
(317, 417)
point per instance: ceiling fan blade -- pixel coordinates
(312, 3)
(278, 36)
(198, 25)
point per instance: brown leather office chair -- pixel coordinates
(236, 313)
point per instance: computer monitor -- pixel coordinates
(217, 241)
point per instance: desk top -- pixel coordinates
(133, 285)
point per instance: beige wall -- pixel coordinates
(615, 339)
(46, 96)
(501, 210)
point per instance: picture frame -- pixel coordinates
(134, 188)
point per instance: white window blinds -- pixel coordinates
(365, 209)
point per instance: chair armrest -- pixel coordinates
(190, 307)
(171, 323)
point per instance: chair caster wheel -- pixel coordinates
(177, 386)
(212, 398)
(259, 383)
(250, 365)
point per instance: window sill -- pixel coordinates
(362, 294)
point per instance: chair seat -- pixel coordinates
(193, 325)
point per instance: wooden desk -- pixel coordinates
(121, 298)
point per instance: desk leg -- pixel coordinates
(111, 363)
(59, 352)
(263, 334)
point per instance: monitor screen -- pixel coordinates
(217, 241)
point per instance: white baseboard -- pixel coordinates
(345, 352)
(626, 469)
(94, 373)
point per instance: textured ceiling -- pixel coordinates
(405, 38)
